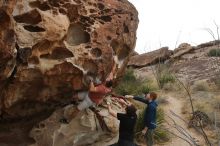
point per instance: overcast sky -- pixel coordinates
(163, 22)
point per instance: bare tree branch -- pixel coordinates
(190, 98)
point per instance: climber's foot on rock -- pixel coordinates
(64, 121)
(74, 102)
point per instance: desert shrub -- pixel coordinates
(130, 84)
(214, 53)
(129, 75)
(160, 135)
(145, 89)
(217, 81)
(201, 86)
(163, 75)
(166, 77)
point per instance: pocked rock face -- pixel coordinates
(48, 48)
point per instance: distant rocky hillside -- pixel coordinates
(191, 62)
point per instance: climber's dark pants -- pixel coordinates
(149, 137)
(124, 143)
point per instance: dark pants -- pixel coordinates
(149, 137)
(124, 143)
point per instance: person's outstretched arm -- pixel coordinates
(138, 98)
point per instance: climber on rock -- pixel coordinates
(127, 125)
(88, 99)
(94, 96)
(149, 115)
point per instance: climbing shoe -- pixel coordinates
(64, 121)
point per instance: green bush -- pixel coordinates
(160, 135)
(129, 84)
(145, 89)
(129, 75)
(214, 53)
(165, 78)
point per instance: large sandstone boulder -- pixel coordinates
(49, 49)
(150, 58)
(49, 46)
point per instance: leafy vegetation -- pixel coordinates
(214, 53)
(166, 77)
(129, 84)
(163, 75)
(160, 134)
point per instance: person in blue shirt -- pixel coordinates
(149, 115)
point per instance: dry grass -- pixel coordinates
(204, 101)
(201, 85)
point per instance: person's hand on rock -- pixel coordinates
(144, 131)
(123, 102)
(129, 96)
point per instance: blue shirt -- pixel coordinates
(150, 112)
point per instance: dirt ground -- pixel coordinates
(176, 104)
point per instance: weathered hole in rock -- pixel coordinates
(109, 38)
(107, 10)
(62, 11)
(42, 46)
(47, 56)
(23, 54)
(126, 30)
(77, 35)
(78, 1)
(54, 3)
(96, 52)
(33, 60)
(102, 22)
(106, 18)
(92, 11)
(61, 53)
(55, 12)
(101, 6)
(90, 67)
(87, 20)
(114, 45)
(32, 17)
(32, 28)
(41, 5)
(123, 52)
(95, 34)
(72, 12)
(58, 53)
(9, 36)
(64, 68)
(4, 19)
(27, 108)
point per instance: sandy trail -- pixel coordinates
(176, 104)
